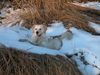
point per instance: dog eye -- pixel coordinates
(40, 29)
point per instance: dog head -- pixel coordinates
(39, 30)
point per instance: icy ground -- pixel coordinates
(94, 5)
(84, 47)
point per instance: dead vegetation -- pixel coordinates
(44, 11)
(15, 62)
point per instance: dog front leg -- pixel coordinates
(26, 40)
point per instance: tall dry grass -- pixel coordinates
(44, 11)
(15, 62)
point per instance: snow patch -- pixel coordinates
(86, 46)
(94, 5)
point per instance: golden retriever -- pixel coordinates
(53, 42)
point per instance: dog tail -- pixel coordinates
(66, 35)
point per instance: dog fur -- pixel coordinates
(39, 37)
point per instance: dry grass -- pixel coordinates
(14, 62)
(44, 11)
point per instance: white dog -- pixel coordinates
(39, 37)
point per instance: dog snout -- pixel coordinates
(37, 32)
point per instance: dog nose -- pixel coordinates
(37, 32)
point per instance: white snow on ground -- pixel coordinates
(84, 47)
(94, 5)
(83, 43)
(95, 26)
(9, 36)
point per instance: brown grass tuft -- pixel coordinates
(15, 62)
(44, 11)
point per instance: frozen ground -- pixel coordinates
(84, 47)
(95, 5)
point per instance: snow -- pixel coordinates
(84, 47)
(94, 5)
(9, 36)
(95, 26)
(82, 42)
